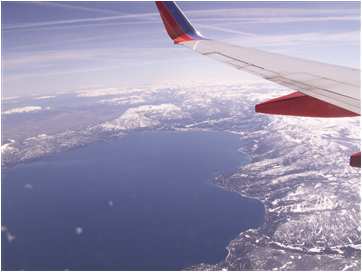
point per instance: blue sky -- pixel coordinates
(69, 46)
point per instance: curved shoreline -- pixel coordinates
(222, 158)
(276, 217)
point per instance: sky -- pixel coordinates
(57, 47)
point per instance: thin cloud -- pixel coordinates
(227, 30)
(115, 54)
(77, 21)
(92, 25)
(271, 12)
(277, 20)
(74, 7)
(303, 38)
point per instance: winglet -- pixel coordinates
(177, 25)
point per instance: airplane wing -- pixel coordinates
(324, 90)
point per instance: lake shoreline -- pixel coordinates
(153, 138)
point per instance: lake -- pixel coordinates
(142, 202)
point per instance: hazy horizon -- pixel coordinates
(51, 47)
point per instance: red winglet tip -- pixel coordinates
(182, 38)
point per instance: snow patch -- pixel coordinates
(144, 117)
(23, 109)
(99, 92)
(44, 97)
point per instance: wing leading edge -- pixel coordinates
(324, 90)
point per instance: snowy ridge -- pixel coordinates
(145, 117)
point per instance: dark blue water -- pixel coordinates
(142, 202)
